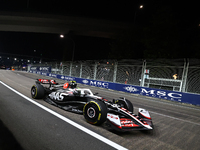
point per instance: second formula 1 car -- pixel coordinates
(117, 114)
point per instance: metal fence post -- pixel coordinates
(81, 68)
(185, 77)
(61, 70)
(95, 71)
(56, 68)
(70, 70)
(142, 74)
(115, 72)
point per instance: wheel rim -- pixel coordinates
(91, 112)
(33, 91)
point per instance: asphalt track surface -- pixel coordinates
(24, 124)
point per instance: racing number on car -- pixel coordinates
(57, 96)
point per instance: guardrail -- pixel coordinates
(188, 98)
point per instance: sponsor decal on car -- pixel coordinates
(57, 96)
(76, 110)
(127, 123)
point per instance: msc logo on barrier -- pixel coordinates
(161, 94)
(69, 78)
(44, 69)
(99, 84)
(41, 68)
(155, 93)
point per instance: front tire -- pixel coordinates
(125, 104)
(37, 91)
(95, 112)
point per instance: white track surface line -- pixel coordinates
(95, 135)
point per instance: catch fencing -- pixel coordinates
(182, 75)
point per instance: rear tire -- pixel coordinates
(37, 91)
(95, 112)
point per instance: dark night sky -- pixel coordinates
(46, 44)
(110, 9)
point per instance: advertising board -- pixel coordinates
(43, 69)
(156, 93)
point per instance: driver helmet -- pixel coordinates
(72, 84)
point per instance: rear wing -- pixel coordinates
(46, 81)
(71, 84)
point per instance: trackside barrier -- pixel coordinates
(188, 98)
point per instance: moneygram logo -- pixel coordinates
(130, 89)
(85, 81)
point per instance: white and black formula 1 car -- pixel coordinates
(117, 114)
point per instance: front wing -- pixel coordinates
(131, 121)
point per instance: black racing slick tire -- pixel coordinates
(95, 112)
(37, 91)
(125, 104)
